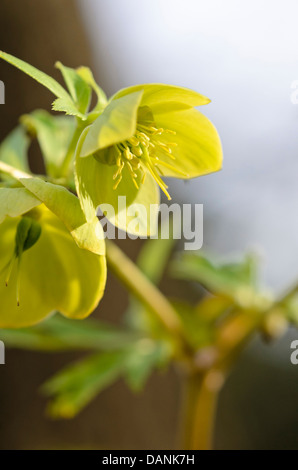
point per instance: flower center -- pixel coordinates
(141, 151)
(27, 234)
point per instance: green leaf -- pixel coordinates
(79, 89)
(75, 386)
(54, 135)
(234, 280)
(65, 205)
(87, 75)
(14, 149)
(67, 106)
(143, 358)
(63, 103)
(60, 334)
(198, 331)
(41, 77)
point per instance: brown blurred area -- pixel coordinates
(42, 32)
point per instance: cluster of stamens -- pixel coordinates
(139, 152)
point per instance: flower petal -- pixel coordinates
(165, 98)
(15, 202)
(54, 275)
(87, 234)
(117, 123)
(140, 218)
(198, 150)
(94, 181)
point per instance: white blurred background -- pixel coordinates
(244, 56)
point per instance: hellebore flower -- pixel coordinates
(43, 267)
(145, 132)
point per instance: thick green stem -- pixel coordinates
(10, 170)
(200, 409)
(140, 286)
(65, 167)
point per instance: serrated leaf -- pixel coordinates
(67, 106)
(79, 89)
(75, 386)
(63, 103)
(60, 334)
(143, 358)
(87, 75)
(198, 331)
(49, 82)
(234, 280)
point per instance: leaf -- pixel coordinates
(60, 334)
(54, 135)
(143, 358)
(234, 280)
(87, 75)
(67, 106)
(14, 149)
(63, 102)
(41, 77)
(79, 89)
(199, 332)
(75, 386)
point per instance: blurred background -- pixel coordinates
(244, 56)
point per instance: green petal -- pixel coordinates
(140, 218)
(198, 150)
(54, 275)
(15, 202)
(116, 124)
(88, 235)
(165, 98)
(94, 181)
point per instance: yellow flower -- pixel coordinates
(42, 268)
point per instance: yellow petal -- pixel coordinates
(165, 98)
(198, 151)
(54, 275)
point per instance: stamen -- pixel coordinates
(170, 167)
(117, 182)
(18, 282)
(10, 268)
(140, 148)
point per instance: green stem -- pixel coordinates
(10, 170)
(139, 285)
(200, 409)
(64, 169)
